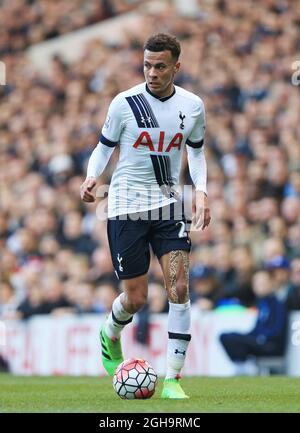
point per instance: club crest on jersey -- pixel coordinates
(145, 139)
(181, 117)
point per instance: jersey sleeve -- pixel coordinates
(113, 125)
(109, 138)
(197, 167)
(99, 160)
(196, 138)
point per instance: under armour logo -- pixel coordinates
(178, 351)
(144, 121)
(181, 117)
(120, 260)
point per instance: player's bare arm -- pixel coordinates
(201, 218)
(86, 190)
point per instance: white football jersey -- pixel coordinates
(151, 133)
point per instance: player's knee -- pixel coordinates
(136, 301)
(182, 291)
(137, 304)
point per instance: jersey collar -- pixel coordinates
(164, 98)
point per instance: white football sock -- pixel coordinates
(117, 319)
(179, 322)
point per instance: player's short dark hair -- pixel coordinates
(162, 42)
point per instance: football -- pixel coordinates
(135, 379)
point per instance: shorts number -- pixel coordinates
(182, 232)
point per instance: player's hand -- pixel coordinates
(86, 190)
(201, 218)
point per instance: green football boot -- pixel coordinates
(111, 352)
(172, 389)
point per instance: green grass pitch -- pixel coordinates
(207, 394)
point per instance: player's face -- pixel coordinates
(159, 70)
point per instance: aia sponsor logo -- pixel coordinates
(145, 139)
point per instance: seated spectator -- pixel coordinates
(101, 267)
(233, 270)
(279, 268)
(157, 298)
(72, 236)
(155, 272)
(53, 296)
(293, 240)
(8, 301)
(45, 299)
(204, 291)
(84, 294)
(104, 296)
(32, 304)
(243, 264)
(268, 337)
(272, 247)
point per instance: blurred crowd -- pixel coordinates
(238, 57)
(27, 22)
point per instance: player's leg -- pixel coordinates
(130, 255)
(124, 307)
(175, 267)
(171, 244)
